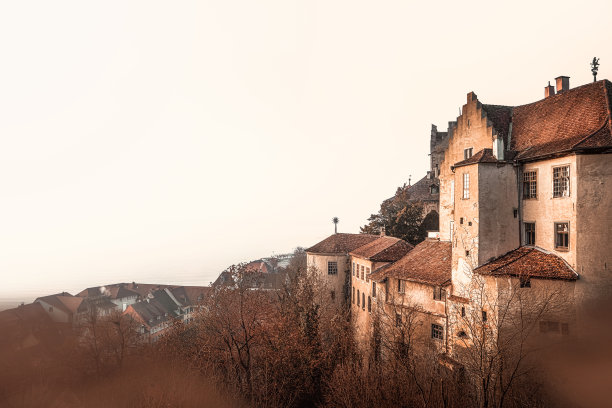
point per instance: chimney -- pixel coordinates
(562, 83)
(382, 231)
(549, 90)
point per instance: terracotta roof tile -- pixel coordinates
(383, 249)
(529, 261)
(560, 122)
(429, 262)
(342, 243)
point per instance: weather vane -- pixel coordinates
(594, 68)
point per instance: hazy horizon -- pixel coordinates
(163, 142)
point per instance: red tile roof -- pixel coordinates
(483, 156)
(341, 243)
(429, 262)
(383, 249)
(577, 119)
(529, 261)
(63, 301)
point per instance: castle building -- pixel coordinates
(525, 211)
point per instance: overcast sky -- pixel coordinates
(163, 141)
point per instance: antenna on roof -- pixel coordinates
(335, 220)
(594, 68)
(409, 178)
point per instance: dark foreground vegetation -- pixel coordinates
(288, 348)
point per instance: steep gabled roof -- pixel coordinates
(529, 261)
(191, 295)
(341, 243)
(483, 156)
(429, 262)
(563, 122)
(63, 301)
(383, 249)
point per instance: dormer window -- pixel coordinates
(467, 153)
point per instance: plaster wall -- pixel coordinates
(546, 210)
(336, 283)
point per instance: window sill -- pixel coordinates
(562, 249)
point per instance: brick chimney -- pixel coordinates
(549, 90)
(562, 83)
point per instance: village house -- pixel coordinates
(331, 259)
(158, 310)
(412, 291)
(365, 260)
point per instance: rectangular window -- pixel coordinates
(398, 320)
(367, 274)
(357, 297)
(437, 331)
(362, 272)
(530, 187)
(332, 268)
(467, 153)
(484, 316)
(439, 293)
(353, 294)
(401, 286)
(524, 281)
(369, 304)
(373, 289)
(529, 228)
(466, 185)
(561, 181)
(562, 235)
(353, 268)
(549, 327)
(362, 300)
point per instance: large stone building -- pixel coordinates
(525, 210)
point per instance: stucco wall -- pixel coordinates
(546, 210)
(335, 282)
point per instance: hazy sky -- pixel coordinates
(162, 141)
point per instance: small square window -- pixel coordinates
(332, 268)
(439, 293)
(437, 331)
(561, 181)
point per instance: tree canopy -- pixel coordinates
(400, 217)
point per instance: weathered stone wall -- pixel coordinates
(593, 227)
(498, 227)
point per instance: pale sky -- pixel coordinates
(163, 141)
